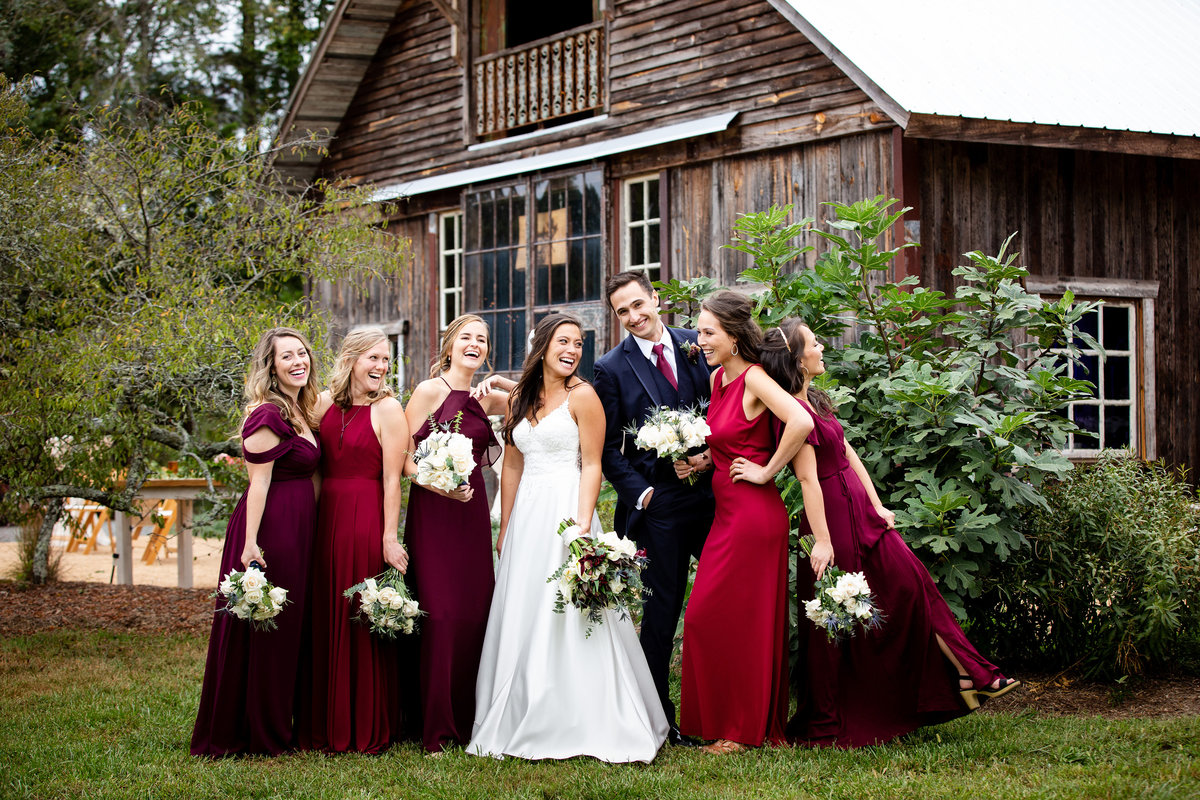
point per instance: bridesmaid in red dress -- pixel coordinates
(356, 675)
(449, 535)
(884, 683)
(734, 687)
(248, 703)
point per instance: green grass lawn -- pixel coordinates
(98, 715)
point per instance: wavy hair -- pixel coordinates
(442, 362)
(735, 314)
(525, 398)
(262, 387)
(782, 356)
(354, 345)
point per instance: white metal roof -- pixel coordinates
(1114, 64)
(558, 158)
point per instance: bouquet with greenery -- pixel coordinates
(250, 596)
(385, 604)
(600, 573)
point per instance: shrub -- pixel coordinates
(1111, 581)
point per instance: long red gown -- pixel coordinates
(251, 698)
(450, 544)
(356, 679)
(735, 630)
(890, 681)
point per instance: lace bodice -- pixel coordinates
(551, 449)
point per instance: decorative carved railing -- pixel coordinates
(550, 78)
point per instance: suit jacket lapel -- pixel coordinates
(641, 368)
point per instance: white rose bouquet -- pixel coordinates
(444, 459)
(843, 601)
(672, 433)
(385, 604)
(250, 596)
(600, 573)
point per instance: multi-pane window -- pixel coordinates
(641, 226)
(450, 260)
(1109, 418)
(534, 247)
(396, 372)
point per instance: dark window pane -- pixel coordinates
(1116, 426)
(575, 271)
(652, 234)
(501, 341)
(637, 202)
(558, 283)
(517, 325)
(595, 269)
(503, 213)
(542, 194)
(488, 278)
(1116, 328)
(487, 222)
(575, 205)
(593, 205)
(637, 246)
(471, 222)
(652, 189)
(587, 360)
(518, 215)
(472, 283)
(1116, 378)
(1088, 369)
(518, 276)
(448, 308)
(1087, 417)
(448, 231)
(541, 287)
(449, 278)
(1089, 324)
(503, 300)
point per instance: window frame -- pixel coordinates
(627, 226)
(1139, 296)
(455, 252)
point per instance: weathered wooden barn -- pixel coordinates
(531, 149)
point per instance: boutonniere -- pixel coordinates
(691, 351)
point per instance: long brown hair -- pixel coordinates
(263, 387)
(782, 354)
(526, 397)
(442, 362)
(735, 314)
(354, 345)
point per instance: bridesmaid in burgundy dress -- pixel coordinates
(449, 535)
(734, 687)
(888, 682)
(248, 703)
(356, 675)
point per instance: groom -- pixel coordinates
(654, 366)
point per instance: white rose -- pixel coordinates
(411, 608)
(226, 587)
(240, 611)
(385, 596)
(253, 597)
(408, 626)
(617, 585)
(397, 602)
(371, 584)
(278, 595)
(861, 610)
(253, 579)
(368, 596)
(262, 612)
(812, 609)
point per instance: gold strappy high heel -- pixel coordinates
(971, 696)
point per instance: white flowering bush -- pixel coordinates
(250, 596)
(384, 603)
(445, 459)
(600, 573)
(842, 603)
(672, 433)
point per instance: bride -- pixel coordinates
(544, 689)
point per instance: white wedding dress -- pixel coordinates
(544, 690)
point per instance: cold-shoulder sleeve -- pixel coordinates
(268, 416)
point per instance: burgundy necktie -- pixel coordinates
(664, 367)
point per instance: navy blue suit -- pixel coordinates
(672, 528)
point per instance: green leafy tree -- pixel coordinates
(953, 402)
(139, 265)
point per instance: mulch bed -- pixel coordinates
(28, 609)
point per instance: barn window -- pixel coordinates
(450, 253)
(1120, 412)
(533, 247)
(641, 223)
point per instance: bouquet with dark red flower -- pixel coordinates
(601, 573)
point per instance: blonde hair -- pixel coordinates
(262, 386)
(354, 345)
(442, 362)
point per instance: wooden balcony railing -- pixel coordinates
(540, 81)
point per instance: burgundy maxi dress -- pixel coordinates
(734, 682)
(356, 678)
(450, 544)
(884, 683)
(250, 699)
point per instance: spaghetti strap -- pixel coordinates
(443, 379)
